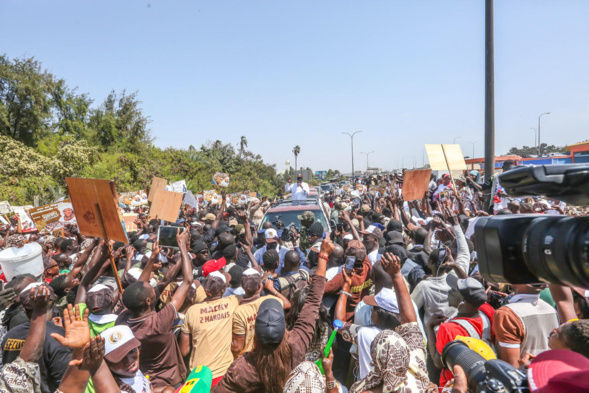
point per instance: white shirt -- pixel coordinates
(139, 383)
(374, 257)
(299, 193)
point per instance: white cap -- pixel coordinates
(218, 275)
(30, 286)
(116, 337)
(270, 233)
(135, 272)
(251, 272)
(98, 287)
(348, 236)
(387, 299)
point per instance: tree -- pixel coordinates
(242, 145)
(527, 151)
(296, 152)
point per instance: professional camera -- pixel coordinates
(529, 249)
(483, 375)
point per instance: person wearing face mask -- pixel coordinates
(121, 354)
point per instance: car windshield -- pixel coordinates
(291, 217)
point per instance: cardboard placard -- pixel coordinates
(166, 205)
(416, 183)
(54, 216)
(157, 184)
(221, 179)
(445, 157)
(85, 194)
(129, 220)
(252, 194)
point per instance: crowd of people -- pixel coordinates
(255, 310)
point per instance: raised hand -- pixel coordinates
(92, 356)
(327, 246)
(183, 239)
(77, 331)
(391, 263)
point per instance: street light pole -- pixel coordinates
(540, 143)
(367, 155)
(473, 143)
(456, 138)
(489, 92)
(352, 140)
(535, 136)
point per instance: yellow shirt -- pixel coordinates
(244, 320)
(168, 293)
(209, 324)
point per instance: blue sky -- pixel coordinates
(286, 73)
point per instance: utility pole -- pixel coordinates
(367, 155)
(352, 140)
(473, 143)
(540, 143)
(489, 92)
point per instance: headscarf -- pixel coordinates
(391, 357)
(305, 378)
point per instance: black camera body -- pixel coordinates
(528, 249)
(484, 376)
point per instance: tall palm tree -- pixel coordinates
(296, 151)
(242, 145)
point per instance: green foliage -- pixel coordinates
(49, 131)
(533, 150)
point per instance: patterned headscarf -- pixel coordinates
(305, 378)
(391, 357)
(17, 240)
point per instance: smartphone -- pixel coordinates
(350, 261)
(166, 236)
(442, 256)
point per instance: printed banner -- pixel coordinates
(221, 179)
(5, 207)
(134, 198)
(54, 216)
(25, 224)
(178, 186)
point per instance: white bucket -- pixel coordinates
(28, 259)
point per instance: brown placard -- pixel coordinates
(157, 184)
(86, 195)
(129, 219)
(415, 184)
(166, 205)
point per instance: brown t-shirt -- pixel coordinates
(168, 293)
(210, 327)
(243, 377)
(160, 358)
(361, 285)
(244, 320)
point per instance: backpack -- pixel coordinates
(472, 331)
(289, 284)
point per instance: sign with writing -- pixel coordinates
(25, 224)
(49, 218)
(221, 179)
(5, 207)
(177, 186)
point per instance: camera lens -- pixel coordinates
(556, 249)
(473, 364)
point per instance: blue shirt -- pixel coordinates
(281, 253)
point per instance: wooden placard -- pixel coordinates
(166, 205)
(415, 184)
(157, 184)
(85, 194)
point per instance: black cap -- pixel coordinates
(394, 237)
(471, 290)
(316, 229)
(395, 225)
(270, 323)
(199, 245)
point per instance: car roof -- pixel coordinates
(301, 208)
